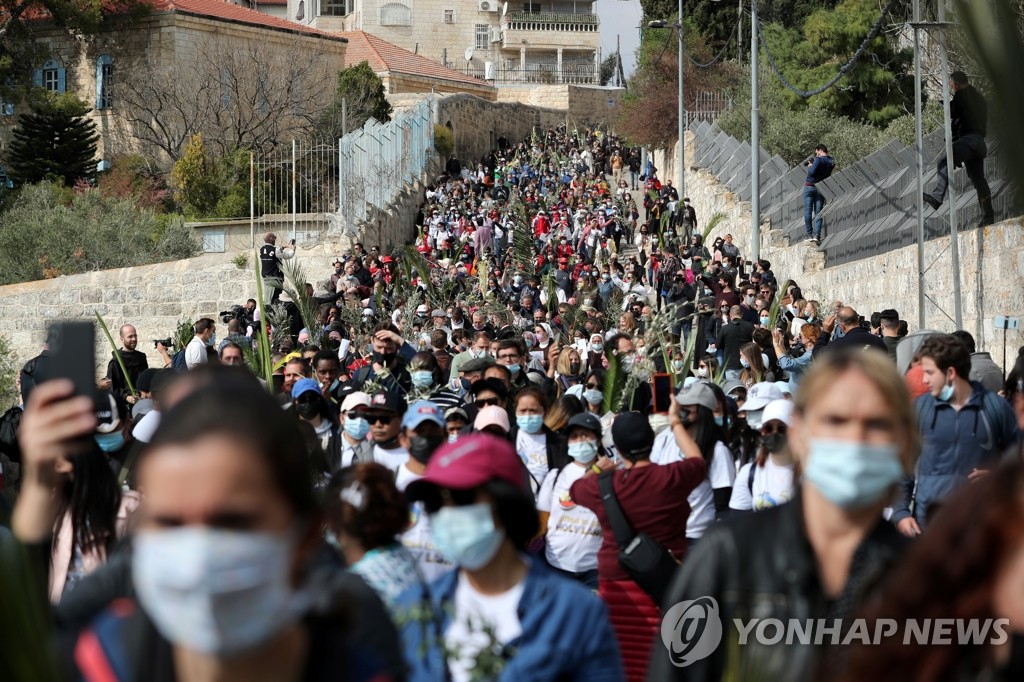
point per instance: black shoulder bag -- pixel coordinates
(648, 562)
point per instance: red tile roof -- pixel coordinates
(218, 9)
(385, 56)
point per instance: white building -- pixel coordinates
(548, 42)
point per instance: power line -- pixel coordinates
(732, 34)
(843, 70)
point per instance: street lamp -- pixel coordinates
(682, 108)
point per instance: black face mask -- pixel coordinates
(422, 447)
(384, 359)
(774, 442)
(574, 368)
(308, 410)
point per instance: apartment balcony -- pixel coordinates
(550, 30)
(545, 71)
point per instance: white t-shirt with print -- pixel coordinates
(772, 486)
(574, 532)
(479, 622)
(392, 459)
(533, 450)
(721, 474)
(417, 538)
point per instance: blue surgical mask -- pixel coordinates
(744, 363)
(720, 420)
(765, 321)
(596, 346)
(514, 369)
(452, 437)
(531, 423)
(110, 442)
(466, 535)
(946, 394)
(583, 451)
(216, 591)
(593, 396)
(213, 341)
(357, 427)
(422, 378)
(852, 474)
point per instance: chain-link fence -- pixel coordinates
(871, 205)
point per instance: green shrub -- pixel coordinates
(444, 140)
(49, 232)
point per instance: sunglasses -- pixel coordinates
(484, 402)
(379, 418)
(769, 429)
(459, 498)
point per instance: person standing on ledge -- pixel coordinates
(968, 113)
(819, 167)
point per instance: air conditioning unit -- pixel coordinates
(488, 5)
(495, 35)
(488, 71)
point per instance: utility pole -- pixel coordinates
(919, 162)
(682, 112)
(954, 242)
(755, 141)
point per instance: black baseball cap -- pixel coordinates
(632, 434)
(585, 420)
(388, 400)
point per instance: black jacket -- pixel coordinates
(968, 113)
(762, 566)
(857, 338)
(730, 339)
(135, 362)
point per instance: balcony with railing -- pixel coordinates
(545, 73)
(550, 29)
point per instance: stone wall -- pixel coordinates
(152, 297)
(477, 124)
(584, 105)
(991, 260)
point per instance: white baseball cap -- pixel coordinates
(760, 395)
(355, 399)
(782, 410)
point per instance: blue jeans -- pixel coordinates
(813, 203)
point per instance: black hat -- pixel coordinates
(585, 420)
(109, 412)
(632, 435)
(145, 380)
(492, 385)
(388, 400)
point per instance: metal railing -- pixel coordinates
(551, 21)
(548, 74)
(379, 160)
(708, 106)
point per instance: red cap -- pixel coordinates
(469, 462)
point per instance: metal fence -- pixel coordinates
(378, 161)
(871, 205)
(708, 106)
(540, 73)
(300, 178)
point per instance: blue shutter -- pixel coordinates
(37, 77)
(62, 79)
(99, 83)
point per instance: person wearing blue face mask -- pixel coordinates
(511, 355)
(540, 448)
(572, 533)
(498, 599)
(965, 429)
(821, 556)
(83, 505)
(354, 445)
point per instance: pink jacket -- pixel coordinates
(60, 558)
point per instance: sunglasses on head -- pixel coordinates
(379, 418)
(484, 402)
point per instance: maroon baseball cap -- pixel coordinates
(468, 463)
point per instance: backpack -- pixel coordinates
(178, 361)
(9, 423)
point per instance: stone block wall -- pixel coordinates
(154, 298)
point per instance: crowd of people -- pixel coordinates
(505, 451)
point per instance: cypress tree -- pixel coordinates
(54, 141)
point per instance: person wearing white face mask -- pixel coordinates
(572, 533)
(354, 445)
(821, 555)
(228, 493)
(498, 602)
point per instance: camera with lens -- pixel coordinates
(236, 312)
(166, 343)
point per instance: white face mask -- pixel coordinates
(216, 591)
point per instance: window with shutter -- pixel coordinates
(104, 81)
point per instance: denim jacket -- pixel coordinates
(566, 633)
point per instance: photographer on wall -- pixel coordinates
(819, 166)
(270, 261)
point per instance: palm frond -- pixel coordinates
(713, 222)
(262, 341)
(309, 311)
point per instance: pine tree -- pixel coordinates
(54, 141)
